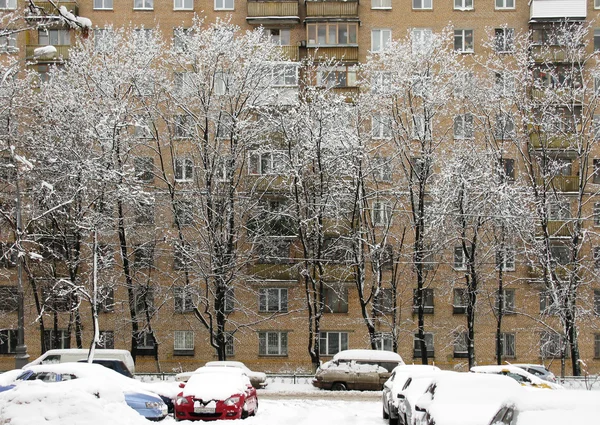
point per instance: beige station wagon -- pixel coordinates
(357, 370)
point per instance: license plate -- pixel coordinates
(204, 410)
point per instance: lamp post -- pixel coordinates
(21, 355)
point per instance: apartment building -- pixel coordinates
(274, 336)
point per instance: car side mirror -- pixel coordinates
(182, 385)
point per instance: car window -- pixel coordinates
(67, 377)
(518, 377)
(535, 371)
(52, 359)
(43, 376)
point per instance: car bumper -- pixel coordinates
(189, 415)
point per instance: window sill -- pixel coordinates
(224, 10)
(272, 355)
(461, 355)
(382, 8)
(417, 354)
(103, 8)
(464, 9)
(183, 352)
(459, 310)
(143, 9)
(183, 10)
(316, 46)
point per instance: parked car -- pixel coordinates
(258, 379)
(454, 398)
(146, 403)
(67, 355)
(222, 394)
(113, 364)
(357, 370)
(538, 370)
(520, 375)
(395, 404)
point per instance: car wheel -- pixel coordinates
(385, 414)
(393, 421)
(255, 409)
(244, 414)
(339, 386)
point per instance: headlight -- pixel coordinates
(182, 400)
(232, 401)
(154, 404)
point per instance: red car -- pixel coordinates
(218, 395)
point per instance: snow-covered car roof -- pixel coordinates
(368, 355)
(216, 386)
(515, 370)
(237, 365)
(402, 373)
(557, 407)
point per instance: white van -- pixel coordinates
(77, 354)
(357, 370)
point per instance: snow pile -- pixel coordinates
(218, 386)
(76, 402)
(75, 21)
(353, 367)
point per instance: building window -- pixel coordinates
(106, 299)
(272, 300)
(8, 43)
(551, 345)
(336, 299)
(184, 169)
(561, 255)
(505, 4)
(54, 37)
(183, 126)
(59, 338)
(427, 295)
(421, 40)
(463, 4)
(8, 341)
(381, 4)
(143, 4)
(596, 4)
(506, 259)
(9, 297)
(330, 343)
(107, 340)
(504, 40)
(144, 168)
(384, 341)
(381, 125)
(145, 343)
(461, 345)
(8, 255)
(272, 343)
(597, 214)
(596, 178)
(381, 212)
(463, 126)
(263, 163)
(508, 301)
(597, 302)
(507, 170)
(143, 256)
(332, 33)
(380, 39)
(183, 212)
(229, 300)
(59, 297)
(459, 301)
(8, 4)
(596, 346)
(507, 345)
(596, 257)
(422, 4)
(273, 251)
(278, 36)
(337, 76)
(463, 41)
(384, 302)
(183, 5)
(428, 336)
(284, 75)
(382, 169)
(229, 347)
(183, 343)
(460, 259)
(142, 128)
(504, 84)
(505, 127)
(547, 304)
(184, 299)
(224, 5)
(559, 210)
(336, 250)
(102, 4)
(144, 213)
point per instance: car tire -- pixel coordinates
(255, 409)
(385, 414)
(393, 421)
(338, 386)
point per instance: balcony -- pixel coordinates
(47, 9)
(558, 229)
(291, 52)
(560, 183)
(272, 12)
(543, 53)
(273, 271)
(342, 53)
(328, 9)
(62, 52)
(540, 140)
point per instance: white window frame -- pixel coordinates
(461, 341)
(429, 345)
(143, 4)
(504, 83)
(324, 74)
(181, 294)
(421, 40)
(381, 126)
(596, 4)
(508, 339)
(504, 126)
(504, 4)
(276, 163)
(384, 341)
(8, 43)
(380, 39)
(181, 5)
(462, 35)
(273, 300)
(284, 75)
(282, 38)
(507, 257)
(508, 37)
(325, 337)
(183, 167)
(63, 37)
(461, 129)
(183, 340)
(381, 4)
(8, 4)
(463, 5)
(103, 4)
(277, 345)
(422, 4)
(224, 5)
(381, 212)
(351, 32)
(462, 265)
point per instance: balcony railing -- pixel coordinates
(558, 228)
(318, 9)
(46, 9)
(345, 53)
(549, 53)
(291, 52)
(62, 51)
(561, 183)
(540, 139)
(261, 9)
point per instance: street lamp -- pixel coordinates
(21, 355)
